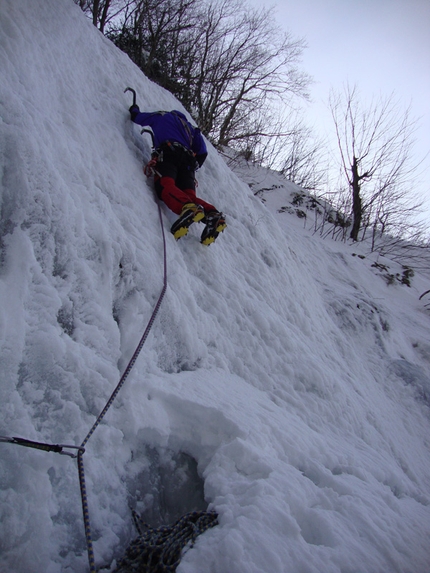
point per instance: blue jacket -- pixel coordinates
(173, 126)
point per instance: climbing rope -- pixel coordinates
(160, 550)
(127, 371)
(156, 550)
(58, 448)
(141, 343)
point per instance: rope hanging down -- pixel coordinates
(141, 343)
(58, 448)
(110, 401)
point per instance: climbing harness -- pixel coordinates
(150, 168)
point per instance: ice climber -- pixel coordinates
(179, 150)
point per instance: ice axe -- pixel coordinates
(134, 103)
(133, 92)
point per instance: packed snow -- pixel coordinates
(284, 384)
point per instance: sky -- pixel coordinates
(383, 46)
(293, 376)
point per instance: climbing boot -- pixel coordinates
(191, 213)
(215, 224)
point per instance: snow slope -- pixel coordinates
(292, 374)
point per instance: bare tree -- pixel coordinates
(243, 64)
(226, 62)
(102, 11)
(375, 152)
(291, 148)
(303, 158)
(158, 35)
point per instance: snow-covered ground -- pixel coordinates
(288, 369)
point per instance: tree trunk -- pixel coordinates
(96, 5)
(104, 15)
(357, 208)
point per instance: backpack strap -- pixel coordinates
(187, 128)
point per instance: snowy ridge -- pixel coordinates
(292, 374)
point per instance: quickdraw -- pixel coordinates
(57, 448)
(149, 168)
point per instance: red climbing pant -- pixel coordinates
(175, 198)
